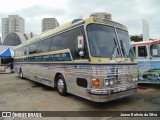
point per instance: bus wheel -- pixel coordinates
(61, 85)
(21, 74)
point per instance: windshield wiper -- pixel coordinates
(114, 50)
(124, 49)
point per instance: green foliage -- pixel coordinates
(136, 38)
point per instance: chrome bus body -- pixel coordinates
(96, 78)
(148, 57)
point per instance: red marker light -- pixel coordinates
(96, 82)
(81, 42)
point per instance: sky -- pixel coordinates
(127, 12)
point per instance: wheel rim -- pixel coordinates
(60, 85)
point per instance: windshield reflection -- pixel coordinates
(103, 41)
(125, 43)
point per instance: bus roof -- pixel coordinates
(145, 43)
(69, 25)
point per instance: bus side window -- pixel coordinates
(33, 49)
(155, 50)
(59, 42)
(16, 53)
(19, 52)
(142, 51)
(44, 45)
(25, 50)
(67, 40)
(73, 37)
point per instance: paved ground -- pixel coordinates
(25, 95)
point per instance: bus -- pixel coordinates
(91, 58)
(148, 57)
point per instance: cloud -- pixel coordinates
(127, 12)
(33, 16)
(38, 10)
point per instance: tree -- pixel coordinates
(136, 38)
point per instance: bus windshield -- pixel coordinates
(103, 41)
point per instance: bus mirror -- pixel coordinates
(81, 53)
(80, 42)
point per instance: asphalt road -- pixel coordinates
(25, 95)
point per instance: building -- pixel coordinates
(14, 39)
(49, 23)
(17, 38)
(13, 23)
(103, 15)
(0, 41)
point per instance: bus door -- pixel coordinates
(80, 78)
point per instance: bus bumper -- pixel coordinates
(111, 96)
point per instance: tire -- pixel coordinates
(61, 85)
(21, 74)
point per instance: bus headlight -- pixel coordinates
(107, 82)
(111, 82)
(134, 79)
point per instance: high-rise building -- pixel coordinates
(49, 23)
(0, 41)
(13, 23)
(103, 15)
(145, 30)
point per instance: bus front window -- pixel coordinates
(155, 50)
(102, 40)
(125, 43)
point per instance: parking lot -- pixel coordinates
(25, 95)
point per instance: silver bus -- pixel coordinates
(90, 58)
